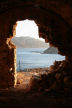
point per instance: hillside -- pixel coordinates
(51, 50)
(28, 42)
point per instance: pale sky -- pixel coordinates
(27, 28)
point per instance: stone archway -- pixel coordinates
(52, 27)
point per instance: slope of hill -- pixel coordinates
(28, 42)
(51, 50)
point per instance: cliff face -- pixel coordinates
(51, 50)
(28, 42)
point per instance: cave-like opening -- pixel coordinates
(34, 56)
(54, 19)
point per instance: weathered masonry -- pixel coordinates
(54, 19)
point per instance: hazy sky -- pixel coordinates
(27, 28)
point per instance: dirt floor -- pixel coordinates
(21, 96)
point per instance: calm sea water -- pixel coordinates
(32, 58)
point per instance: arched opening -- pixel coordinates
(25, 33)
(53, 29)
(55, 25)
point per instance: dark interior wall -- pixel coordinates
(54, 20)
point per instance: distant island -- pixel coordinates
(51, 50)
(28, 42)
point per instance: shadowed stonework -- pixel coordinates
(54, 20)
(49, 90)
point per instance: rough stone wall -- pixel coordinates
(55, 25)
(7, 56)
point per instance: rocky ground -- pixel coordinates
(41, 88)
(57, 78)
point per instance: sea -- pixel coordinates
(29, 58)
